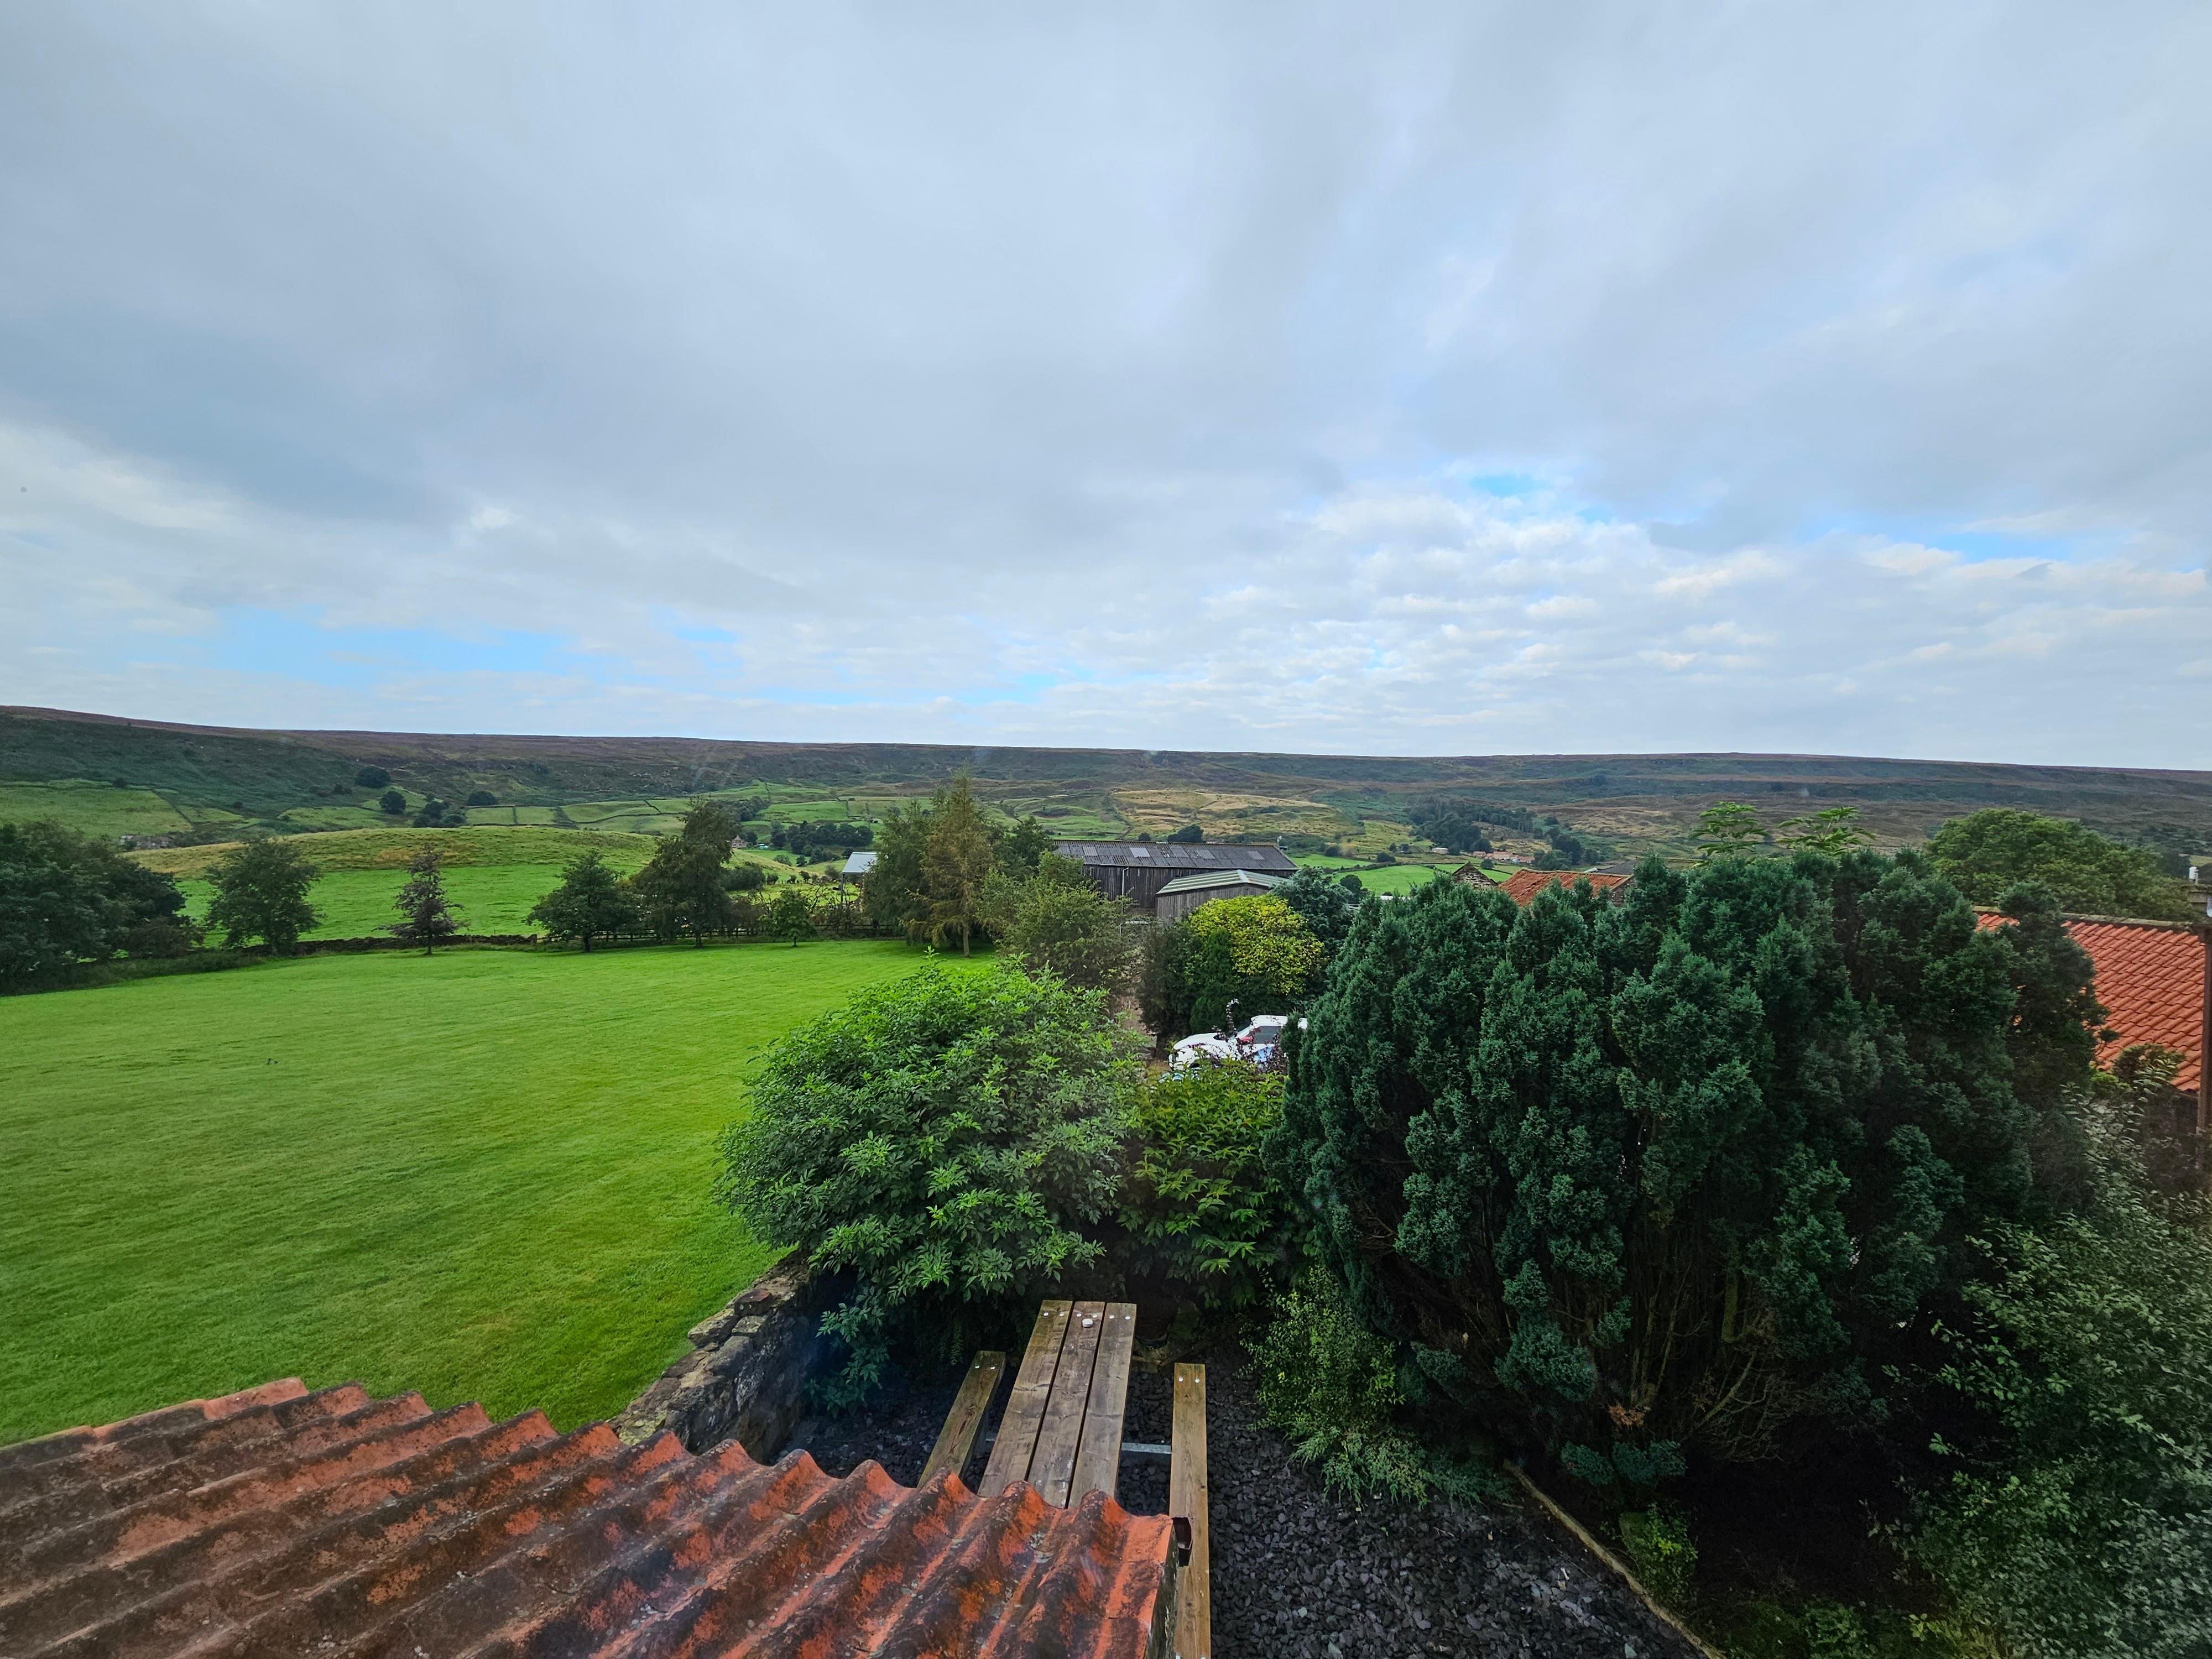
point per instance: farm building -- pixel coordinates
(1474, 876)
(1523, 885)
(1138, 870)
(857, 867)
(1186, 893)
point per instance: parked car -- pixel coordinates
(1255, 1044)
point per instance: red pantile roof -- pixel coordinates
(2150, 977)
(1522, 885)
(281, 1521)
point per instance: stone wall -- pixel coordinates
(745, 1376)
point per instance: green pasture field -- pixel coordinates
(90, 808)
(357, 903)
(395, 848)
(485, 1174)
(1400, 878)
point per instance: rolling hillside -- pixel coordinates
(122, 776)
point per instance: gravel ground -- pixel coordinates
(1299, 1575)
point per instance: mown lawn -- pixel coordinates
(357, 903)
(483, 1174)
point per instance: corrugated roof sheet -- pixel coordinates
(276, 1520)
(859, 864)
(1523, 885)
(1178, 855)
(1192, 884)
(2150, 977)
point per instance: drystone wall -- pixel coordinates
(745, 1376)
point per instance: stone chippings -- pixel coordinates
(281, 1521)
(1298, 1574)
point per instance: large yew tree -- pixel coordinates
(1679, 1171)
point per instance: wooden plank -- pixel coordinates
(1187, 1497)
(1098, 1457)
(1053, 1467)
(962, 1424)
(1018, 1424)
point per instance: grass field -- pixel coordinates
(357, 903)
(91, 809)
(483, 1175)
(392, 848)
(1401, 878)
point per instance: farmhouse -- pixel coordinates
(1186, 893)
(1138, 870)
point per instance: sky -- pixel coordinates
(1459, 378)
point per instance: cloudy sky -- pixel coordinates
(1379, 378)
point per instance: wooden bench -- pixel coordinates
(1061, 1432)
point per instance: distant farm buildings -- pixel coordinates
(1140, 870)
(1186, 893)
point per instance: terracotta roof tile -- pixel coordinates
(1522, 885)
(281, 1521)
(2150, 977)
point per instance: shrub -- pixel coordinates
(789, 917)
(160, 937)
(1684, 1169)
(372, 777)
(1256, 952)
(392, 802)
(947, 1140)
(1199, 1204)
(483, 798)
(2080, 1521)
(1661, 1550)
(1058, 923)
(1330, 1386)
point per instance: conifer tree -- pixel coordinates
(425, 914)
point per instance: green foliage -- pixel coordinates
(1833, 830)
(261, 892)
(1985, 853)
(1023, 845)
(1452, 825)
(681, 889)
(591, 902)
(1680, 1171)
(425, 913)
(1057, 922)
(437, 814)
(1199, 1204)
(1331, 1388)
(1661, 1552)
(958, 863)
(789, 918)
(2080, 1522)
(1190, 835)
(1324, 904)
(483, 798)
(67, 899)
(1257, 952)
(1728, 829)
(947, 1140)
(372, 777)
(392, 802)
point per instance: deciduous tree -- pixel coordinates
(592, 902)
(1984, 852)
(261, 892)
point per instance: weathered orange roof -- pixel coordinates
(276, 1520)
(1522, 885)
(2150, 977)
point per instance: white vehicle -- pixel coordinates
(1255, 1044)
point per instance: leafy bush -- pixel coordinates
(1057, 922)
(393, 801)
(372, 777)
(947, 1140)
(1257, 952)
(2081, 1524)
(1661, 1552)
(1330, 1386)
(1683, 1171)
(483, 798)
(789, 918)
(1199, 1204)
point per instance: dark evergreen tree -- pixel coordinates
(1683, 1171)
(425, 914)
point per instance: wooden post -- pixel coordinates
(1194, 1614)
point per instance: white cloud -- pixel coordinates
(1117, 380)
